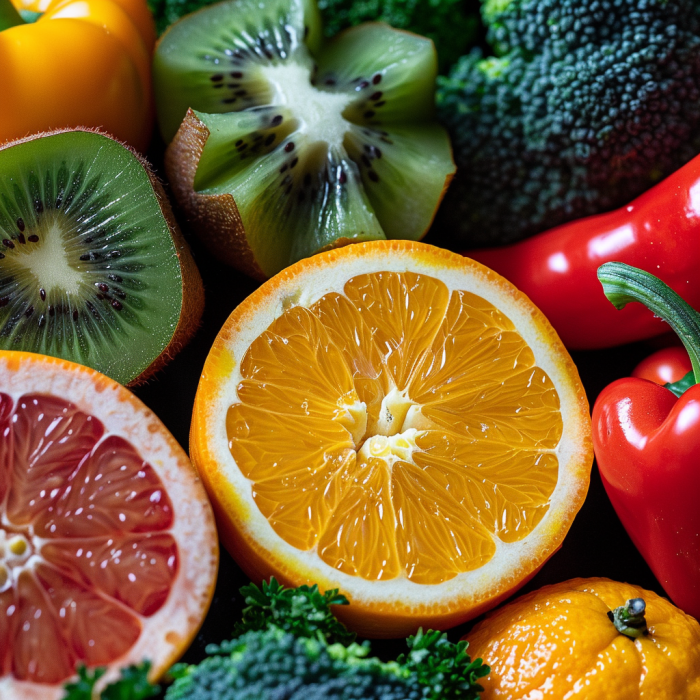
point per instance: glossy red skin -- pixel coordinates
(647, 445)
(658, 232)
(664, 366)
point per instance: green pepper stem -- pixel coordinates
(9, 17)
(623, 284)
(629, 618)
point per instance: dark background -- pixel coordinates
(597, 544)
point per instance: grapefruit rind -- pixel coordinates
(398, 606)
(169, 631)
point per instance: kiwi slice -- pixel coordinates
(92, 266)
(289, 147)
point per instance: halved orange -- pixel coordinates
(396, 421)
(108, 550)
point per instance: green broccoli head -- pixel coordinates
(277, 665)
(584, 105)
(290, 647)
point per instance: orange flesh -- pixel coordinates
(91, 519)
(398, 428)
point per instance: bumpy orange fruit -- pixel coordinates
(399, 422)
(558, 643)
(108, 550)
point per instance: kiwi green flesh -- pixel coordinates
(295, 196)
(211, 60)
(404, 171)
(314, 152)
(390, 73)
(88, 268)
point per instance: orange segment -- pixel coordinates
(359, 539)
(349, 333)
(296, 495)
(294, 369)
(404, 312)
(6, 407)
(507, 491)
(402, 418)
(438, 538)
(39, 628)
(8, 620)
(417, 352)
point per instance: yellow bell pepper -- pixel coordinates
(81, 63)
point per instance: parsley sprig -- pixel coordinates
(132, 685)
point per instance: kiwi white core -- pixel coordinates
(48, 262)
(319, 112)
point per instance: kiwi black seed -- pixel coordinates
(93, 268)
(291, 145)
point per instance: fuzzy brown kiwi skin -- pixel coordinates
(215, 218)
(192, 288)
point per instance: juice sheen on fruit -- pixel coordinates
(85, 552)
(400, 428)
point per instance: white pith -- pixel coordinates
(511, 561)
(399, 446)
(393, 437)
(319, 112)
(48, 261)
(193, 523)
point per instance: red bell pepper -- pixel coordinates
(647, 444)
(658, 232)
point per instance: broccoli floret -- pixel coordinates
(279, 656)
(290, 647)
(451, 24)
(584, 105)
(277, 665)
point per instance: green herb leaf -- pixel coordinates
(303, 611)
(443, 666)
(83, 688)
(133, 684)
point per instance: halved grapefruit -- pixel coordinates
(396, 421)
(108, 550)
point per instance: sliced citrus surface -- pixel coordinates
(108, 550)
(396, 421)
